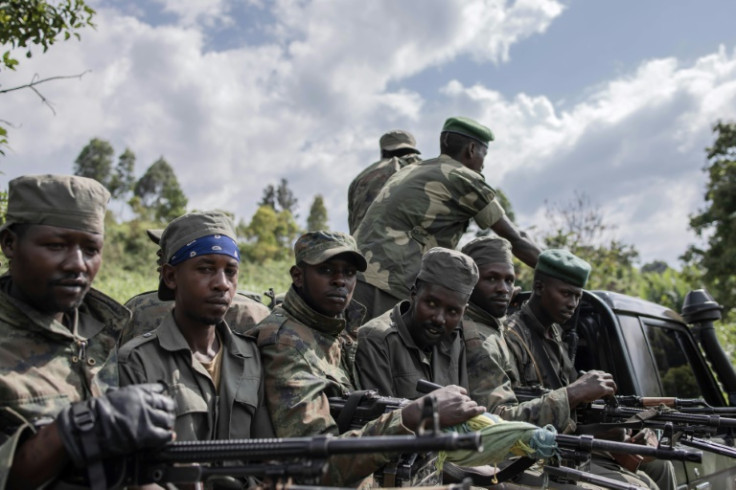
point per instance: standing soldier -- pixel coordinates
(430, 205)
(398, 149)
(58, 341)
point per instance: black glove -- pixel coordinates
(117, 424)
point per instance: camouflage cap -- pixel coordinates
(449, 268)
(468, 127)
(318, 246)
(184, 229)
(397, 139)
(67, 201)
(489, 250)
(565, 266)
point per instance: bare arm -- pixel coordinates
(39, 459)
(522, 246)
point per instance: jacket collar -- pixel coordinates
(171, 339)
(296, 307)
(478, 314)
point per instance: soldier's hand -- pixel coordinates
(453, 404)
(591, 386)
(119, 423)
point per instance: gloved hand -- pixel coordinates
(119, 423)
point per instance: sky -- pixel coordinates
(611, 100)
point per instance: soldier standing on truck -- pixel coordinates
(303, 361)
(535, 338)
(58, 341)
(398, 149)
(430, 205)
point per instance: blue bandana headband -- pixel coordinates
(206, 245)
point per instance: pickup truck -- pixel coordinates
(655, 352)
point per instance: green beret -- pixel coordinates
(489, 250)
(319, 246)
(183, 230)
(66, 201)
(449, 268)
(565, 266)
(468, 127)
(398, 139)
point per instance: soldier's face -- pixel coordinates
(493, 291)
(558, 299)
(52, 267)
(435, 312)
(203, 288)
(327, 287)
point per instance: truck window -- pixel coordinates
(669, 349)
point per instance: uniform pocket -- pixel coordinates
(187, 400)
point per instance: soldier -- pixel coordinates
(420, 338)
(303, 364)
(58, 343)
(430, 205)
(244, 313)
(398, 149)
(213, 372)
(491, 366)
(535, 338)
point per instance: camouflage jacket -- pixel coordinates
(301, 354)
(237, 410)
(365, 187)
(44, 366)
(540, 355)
(492, 373)
(390, 362)
(148, 311)
(426, 205)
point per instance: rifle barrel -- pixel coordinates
(589, 443)
(322, 446)
(712, 420)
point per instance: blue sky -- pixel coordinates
(611, 99)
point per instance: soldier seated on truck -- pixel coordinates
(304, 363)
(59, 419)
(148, 310)
(541, 357)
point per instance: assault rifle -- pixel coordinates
(274, 459)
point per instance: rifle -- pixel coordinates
(181, 462)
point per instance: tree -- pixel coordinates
(269, 235)
(718, 219)
(269, 197)
(158, 194)
(27, 23)
(285, 198)
(95, 161)
(317, 219)
(123, 179)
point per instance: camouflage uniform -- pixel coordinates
(390, 362)
(44, 367)
(420, 207)
(492, 373)
(244, 313)
(302, 359)
(365, 187)
(234, 411)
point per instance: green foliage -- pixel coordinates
(123, 180)
(279, 198)
(718, 219)
(159, 196)
(317, 219)
(3, 140)
(269, 236)
(95, 161)
(24, 23)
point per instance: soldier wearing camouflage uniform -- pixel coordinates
(213, 373)
(535, 338)
(430, 205)
(302, 358)
(491, 365)
(420, 338)
(58, 341)
(398, 149)
(244, 313)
